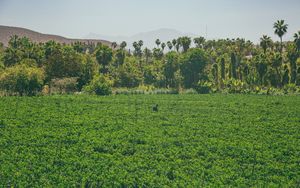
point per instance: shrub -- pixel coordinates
(22, 79)
(63, 85)
(235, 86)
(290, 88)
(204, 87)
(100, 85)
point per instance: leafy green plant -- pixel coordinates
(204, 87)
(100, 85)
(22, 79)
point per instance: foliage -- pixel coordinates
(104, 56)
(192, 65)
(22, 79)
(204, 87)
(64, 85)
(265, 65)
(100, 85)
(192, 141)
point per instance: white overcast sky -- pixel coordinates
(248, 19)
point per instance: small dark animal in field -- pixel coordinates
(155, 108)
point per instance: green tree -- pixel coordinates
(192, 65)
(120, 57)
(265, 42)
(170, 67)
(22, 79)
(128, 75)
(297, 40)
(215, 73)
(170, 45)
(276, 63)
(292, 55)
(99, 85)
(223, 68)
(174, 42)
(261, 67)
(78, 46)
(163, 45)
(199, 41)
(157, 42)
(123, 45)
(157, 53)
(280, 29)
(185, 43)
(104, 56)
(285, 77)
(89, 70)
(147, 54)
(114, 45)
(233, 66)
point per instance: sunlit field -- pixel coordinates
(121, 141)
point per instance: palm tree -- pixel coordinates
(137, 49)
(297, 40)
(199, 41)
(185, 42)
(157, 42)
(276, 63)
(163, 45)
(170, 45)
(174, 42)
(141, 43)
(114, 45)
(265, 42)
(280, 29)
(123, 45)
(147, 54)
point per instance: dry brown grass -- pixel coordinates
(6, 32)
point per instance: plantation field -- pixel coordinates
(118, 141)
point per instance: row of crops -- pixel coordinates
(119, 141)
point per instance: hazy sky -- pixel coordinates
(224, 18)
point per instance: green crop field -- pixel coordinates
(119, 141)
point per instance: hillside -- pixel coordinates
(6, 32)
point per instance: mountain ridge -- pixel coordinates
(7, 31)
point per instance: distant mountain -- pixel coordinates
(149, 38)
(6, 32)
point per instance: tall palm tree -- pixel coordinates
(199, 41)
(297, 40)
(123, 45)
(265, 42)
(114, 45)
(163, 45)
(185, 42)
(174, 42)
(141, 43)
(147, 53)
(280, 29)
(170, 45)
(157, 42)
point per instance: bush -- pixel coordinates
(22, 80)
(63, 85)
(204, 87)
(235, 86)
(100, 85)
(290, 88)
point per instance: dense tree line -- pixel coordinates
(27, 68)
